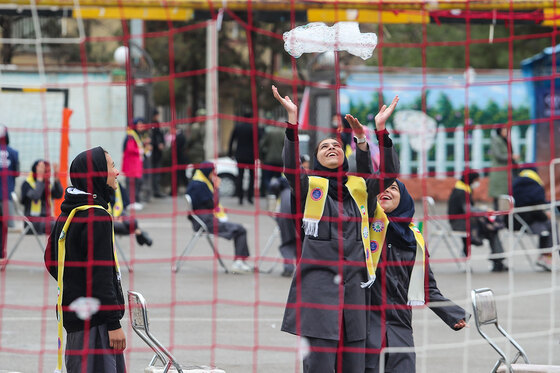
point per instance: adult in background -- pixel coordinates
(158, 146)
(329, 296)
(203, 191)
(9, 170)
(241, 148)
(528, 190)
(481, 227)
(37, 194)
(196, 135)
(95, 342)
(500, 153)
(133, 162)
(270, 148)
(400, 284)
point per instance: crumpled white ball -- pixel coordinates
(85, 307)
(316, 37)
(421, 128)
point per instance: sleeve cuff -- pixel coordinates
(383, 138)
(113, 325)
(291, 131)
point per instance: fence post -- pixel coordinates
(477, 149)
(458, 151)
(530, 144)
(515, 143)
(441, 152)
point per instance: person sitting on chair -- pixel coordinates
(122, 223)
(203, 191)
(37, 194)
(528, 190)
(481, 227)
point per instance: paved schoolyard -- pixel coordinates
(234, 321)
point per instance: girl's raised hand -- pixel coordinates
(357, 127)
(384, 114)
(287, 103)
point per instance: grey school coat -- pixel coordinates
(328, 276)
(390, 315)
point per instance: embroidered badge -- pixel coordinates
(363, 209)
(377, 226)
(365, 232)
(373, 246)
(316, 194)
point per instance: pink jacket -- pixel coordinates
(132, 163)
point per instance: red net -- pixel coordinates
(463, 71)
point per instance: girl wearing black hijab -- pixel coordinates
(91, 266)
(401, 284)
(329, 296)
(203, 191)
(37, 194)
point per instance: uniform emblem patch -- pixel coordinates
(316, 194)
(374, 246)
(365, 232)
(377, 226)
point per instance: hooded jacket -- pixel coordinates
(90, 269)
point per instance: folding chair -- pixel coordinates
(138, 313)
(485, 313)
(272, 207)
(523, 231)
(440, 230)
(201, 231)
(27, 227)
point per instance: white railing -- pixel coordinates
(446, 162)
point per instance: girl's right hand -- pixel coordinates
(287, 103)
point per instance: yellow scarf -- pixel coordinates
(416, 292)
(373, 236)
(532, 175)
(462, 186)
(219, 211)
(35, 204)
(117, 209)
(60, 275)
(131, 132)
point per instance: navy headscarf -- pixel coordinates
(404, 212)
(332, 175)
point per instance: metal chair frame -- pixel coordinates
(139, 320)
(201, 231)
(484, 307)
(441, 231)
(27, 227)
(525, 230)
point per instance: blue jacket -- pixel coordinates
(9, 170)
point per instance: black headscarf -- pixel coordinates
(4, 137)
(88, 173)
(404, 212)
(471, 178)
(332, 175)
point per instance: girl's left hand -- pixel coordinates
(460, 325)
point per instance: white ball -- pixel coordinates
(120, 55)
